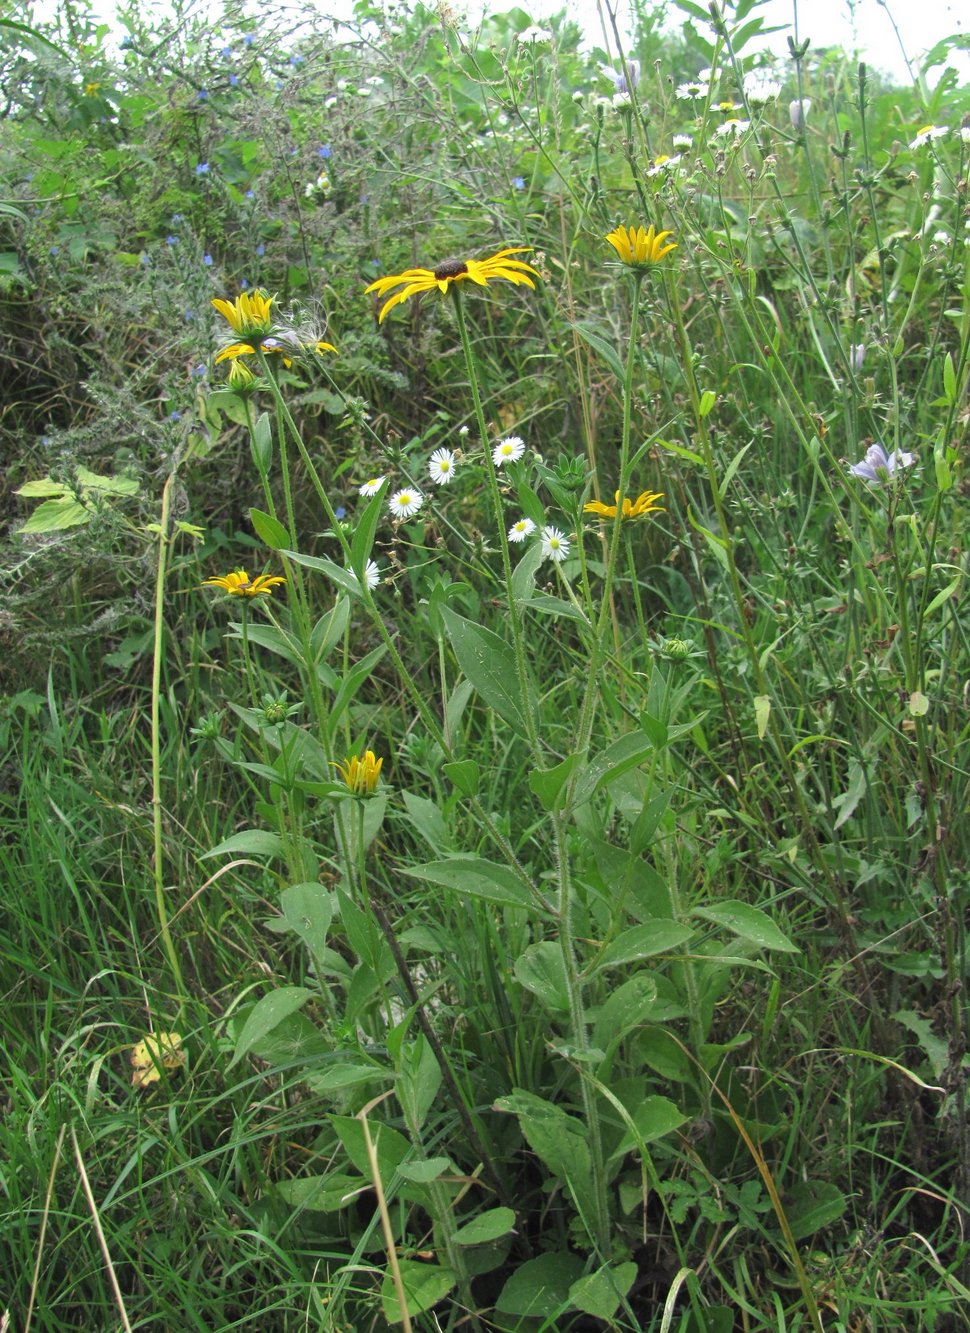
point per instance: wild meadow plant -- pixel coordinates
(556, 874)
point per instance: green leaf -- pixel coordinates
(266, 1014)
(547, 783)
(391, 1147)
(250, 842)
(628, 752)
(43, 486)
(541, 970)
(762, 712)
(344, 578)
(541, 1287)
(598, 1294)
(556, 1137)
(626, 1007)
(343, 1075)
(108, 485)
(489, 663)
(812, 1204)
(646, 941)
(365, 532)
(748, 922)
(423, 1170)
(464, 776)
(261, 443)
(270, 530)
(308, 910)
(681, 452)
(716, 545)
(594, 339)
(55, 515)
(949, 378)
(477, 878)
(424, 1286)
(654, 1118)
(487, 1226)
(321, 1194)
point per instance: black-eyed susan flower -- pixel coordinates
(360, 775)
(645, 503)
(481, 271)
(405, 502)
(250, 315)
(239, 584)
(638, 247)
(251, 319)
(160, 1050)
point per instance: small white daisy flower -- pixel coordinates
(555, 545)
(372, 575)
(406, 502)
(928, 132)
(663, 164)
(371, 487)
(682, 141)
(621, 101)
(508, 451)
(693, 88)
(733, 127)
(759, 89)
(522, 529)
(441, 466)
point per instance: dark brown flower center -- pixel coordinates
(451, 268)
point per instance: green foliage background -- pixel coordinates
(645, 961)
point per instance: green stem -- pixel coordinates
(158, 866)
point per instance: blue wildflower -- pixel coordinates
(202, 169)
(175, 415)
(207, 260)
(260, 250)
(171, 240)
(203, 94)
(226, 52)
(324, 151)
(518, 183)
(199, 372)
(233, 80)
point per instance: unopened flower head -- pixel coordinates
(372, 486)
(555, 545)
(406, 502)
(509, 450)
(880, 467)
(927, 133)
(640, 248)
(480, 271)
(682, 141)
(857, 356)
(798, 112)
(645, 503)
(360, 775)
(441, 466)
(521, 529)
(239, 584)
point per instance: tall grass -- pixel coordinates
(557, 933)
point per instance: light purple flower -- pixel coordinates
(879, 467)
(619, 78)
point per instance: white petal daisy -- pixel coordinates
(928, 132)
(522, 529)
(406, 502)
(733, 127)
(555, 545)
(509, 450)
(371, 487)
(372, 575)
(441, 466)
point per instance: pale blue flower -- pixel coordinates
(880, 467)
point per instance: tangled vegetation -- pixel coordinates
(485, 669)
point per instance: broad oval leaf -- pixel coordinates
(748, 922)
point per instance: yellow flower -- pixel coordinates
(241, 378)
(249, 314)
(239, 584)
(282, 343)
(92, 89)
(482, 271)
(645, 503)
(638, 247)
(162, 1050)
(360, 775)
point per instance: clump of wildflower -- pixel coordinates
(371, 487)
(927, 133)
(645, 503)
(406, 502)
(555, 545)
(880, 467)
(360, 775)
(481, 271)
(251, 319)
(639, 248)
(441, 466)
(521, 529)
(239, 584)
(509, 450)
